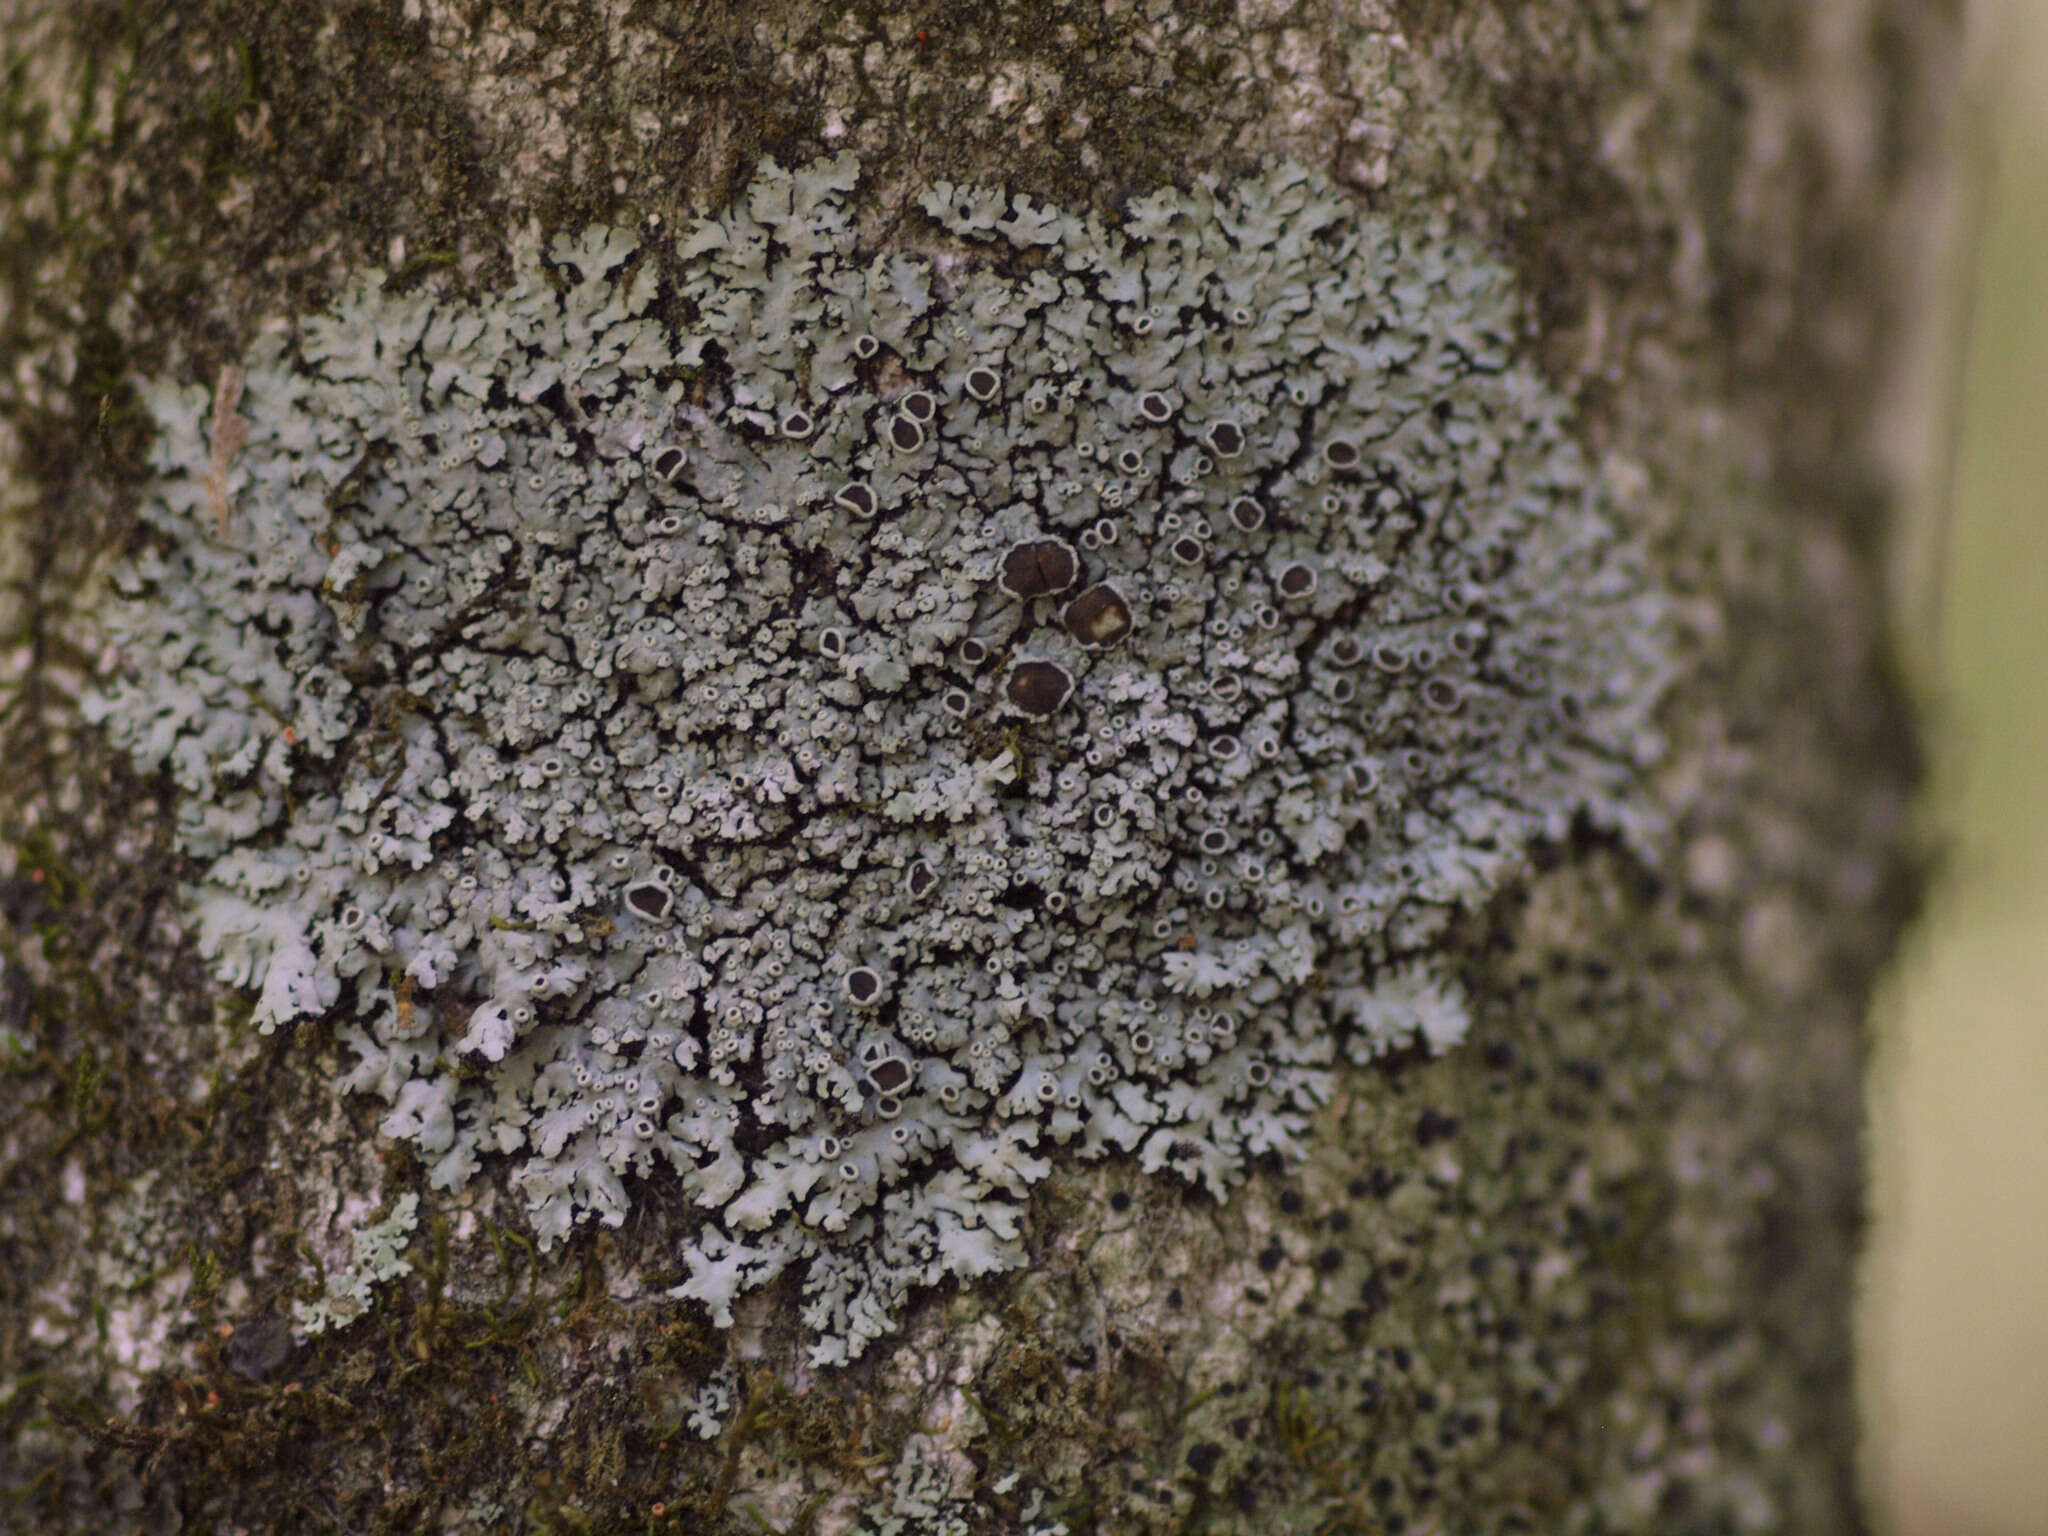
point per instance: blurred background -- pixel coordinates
(1955, 1307)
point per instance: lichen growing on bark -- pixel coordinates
(859, 725)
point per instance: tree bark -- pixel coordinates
(1592, 1272)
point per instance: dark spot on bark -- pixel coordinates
(1434, 1127)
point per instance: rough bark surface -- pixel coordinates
(1590, 1272)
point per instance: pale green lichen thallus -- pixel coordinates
(1036, 691)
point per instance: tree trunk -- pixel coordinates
(1588, 1271)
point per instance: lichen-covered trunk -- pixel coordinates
(1262, 847)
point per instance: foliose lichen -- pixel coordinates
(376, 1254)
(847, 727)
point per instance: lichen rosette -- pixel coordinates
(848, 727)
